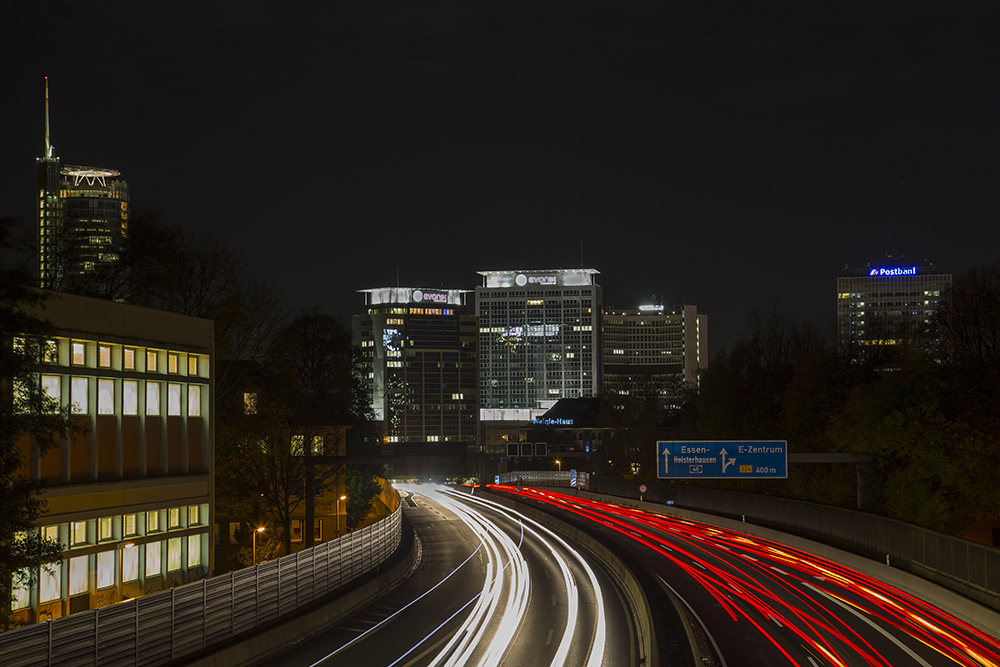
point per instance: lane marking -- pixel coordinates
(697, 618)
(810, 659)
(776, 621)
(548, 640)
(553, 600)
(430, 648)
(906, 649)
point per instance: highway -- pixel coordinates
(492, 588)
(767, 604)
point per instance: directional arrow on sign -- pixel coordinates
(725, 463)
(666, 460)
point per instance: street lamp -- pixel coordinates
(338, 515)
(559, 463)
(121, 566)
(259, 530)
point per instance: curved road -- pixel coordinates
(767, 604)
(492, 588)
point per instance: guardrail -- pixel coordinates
(967, 567)
(159, 628)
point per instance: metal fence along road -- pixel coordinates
(161, 627)
(970, 568)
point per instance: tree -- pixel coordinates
(305, 389)
(28, 419)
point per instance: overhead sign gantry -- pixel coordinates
(722, 459)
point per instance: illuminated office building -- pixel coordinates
(661, 344)
(886, 305)
(82, 217)
(129, 494)
(421, 360)
(539, 337)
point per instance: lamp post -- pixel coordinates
(121, 566)
(338, 515)
(559, 463)
(259, 530)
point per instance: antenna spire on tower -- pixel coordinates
(48, 144)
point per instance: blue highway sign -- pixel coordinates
(722, 459)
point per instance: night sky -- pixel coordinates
(723, 154)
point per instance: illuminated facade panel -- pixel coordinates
(667, 345)
(539, 337)
(887, 305)
(421, 364)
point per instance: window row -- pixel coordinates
(117, 357)
(110, 528)
(155, 559)
(153, 392)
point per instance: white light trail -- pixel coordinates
(600, 631)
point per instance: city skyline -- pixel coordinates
(717, 155)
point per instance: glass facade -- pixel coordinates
(539, 337)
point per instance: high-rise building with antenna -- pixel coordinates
(82, 217)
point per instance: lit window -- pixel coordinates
(78, 532)
(78, 575)
(173, 554)
(318, 529)
(193, 366)
(153, 555)
(152, 521)
(105, 569)
(175, 517)
(129, 359)
(250, 403)
(193, 515)
(296, 530)
(104, 356)
(51, 534)
(21, 593)
(105, 525)
(317, 444)
(152, 399)
(78, 358)
(50, 355)
(194, 400)
(297, 445)
(130, 524)
(49, 580)
(105, 397)
(194, 550)
(130, 563)
(151, 361)
(173, 399)
(78, 392)
(51, 388)
(172, 362)
(130, 397)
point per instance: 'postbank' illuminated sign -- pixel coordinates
(912, 271)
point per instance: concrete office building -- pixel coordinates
(886, 305)
(539, 337)
(130, 493)
(421, 359)
(664, 345)
(83, 217)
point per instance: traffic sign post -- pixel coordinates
(572, 478)
(642, 490)
(722, 459)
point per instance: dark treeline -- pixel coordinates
(925, 410)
